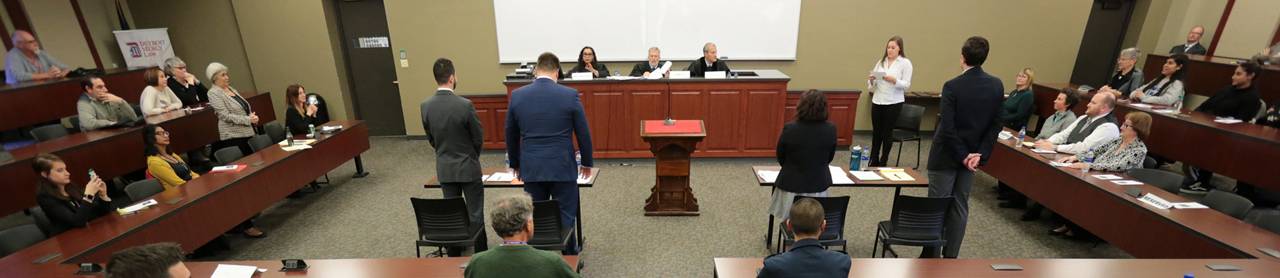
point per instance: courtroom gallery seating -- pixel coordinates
(547, 232)
(444, 223)
(915, 221)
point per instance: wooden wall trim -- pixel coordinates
(1222, 24)
(88, 37)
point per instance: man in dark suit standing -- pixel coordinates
(1192, 47)
(806, 258)
(542, 120)
(453, 128)
(708, 62)
(970, 121)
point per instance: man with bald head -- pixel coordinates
(1097, 127)
(1192, 47)
(26, 62)
(708, 62)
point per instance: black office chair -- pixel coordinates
(548, 233)
(259, 142)
(1168, 181)
(143, 189)
(137, 110)
(5, 155)
(834, 209)
(1271, 222)
(42, 221)
(48, 132)
(444, 223)
(1150, 163)
(275, 131)
(908, 129)
(227, 155)
(75, 123)
(915, 221)
(1228, 203)
(17, 238)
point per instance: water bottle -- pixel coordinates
(866, 163)
(577, 156)
(1177, 106)
(506, 160)
(311, 131)
(1022, 135)
(1088, 162)
(855, 158)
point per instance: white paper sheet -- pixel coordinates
(1227, 121)
(838, 176)
(1141, 105)
(234, 271)
(501, 177)
(866, 175)
(768, 176)
(296, 148)
(897, 176)
(1107, 177)
(1058, 164)
(1043, 151)
(137, 207)
(1189, 205)
(1126, 182)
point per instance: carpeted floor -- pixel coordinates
(372, 218)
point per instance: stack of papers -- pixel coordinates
(866, 175)
(838, 176)
(136, 207)
(296, 148)
(1005, 135)
(501, 177)
(234, 271)
(768, 176)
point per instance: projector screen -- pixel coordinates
(623, 30)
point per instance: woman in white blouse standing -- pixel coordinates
(888, 82)
(156, 97)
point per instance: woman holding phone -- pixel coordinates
(66, 205)
(889, 80)
(301, 113)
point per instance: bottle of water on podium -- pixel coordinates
(1022, 135)
(855, 158)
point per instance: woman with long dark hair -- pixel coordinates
(1166, 89)
(168, 168)
(68, 206)
(588, 62)
(805, 148)
(889, 80)
(300, 114)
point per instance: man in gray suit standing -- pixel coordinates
(453, 128)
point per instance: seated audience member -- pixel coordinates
(1118, 155)
(643, 69)
(512, 218)
(587, 62)
(1017, 107)
(27, 62)
(1192, 47)
(296, 119)
(1268, 55)
(1097, 127)
(156, 97)
(805, 149)
(184, 84)
(1127, 77)
(1165, 89)
(156, 260)
(1238, 101)
(708, 62)
(165, 166)
(806, 258)
(68, 206)
(101, 109)
(235, 116)
(1062, 115)
(1261, 197)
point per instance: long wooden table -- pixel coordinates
(444, 267)
(35, 102)
(1244, 151)
(1041, 268)
(743, 115)
(1106, 210)
(1206, 75)
(588, 180)
(198, 211)
(110, 153)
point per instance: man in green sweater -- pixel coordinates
(513, 221)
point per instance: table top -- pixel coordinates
(587, 179)
(681, 128)
(918, 180)
(385, 267)
(747, 267)
(761, 75)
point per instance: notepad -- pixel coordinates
(1107, 177)
(768, 176)
(838, 176)
(1126, 182)
(866, 175)
(234, 271)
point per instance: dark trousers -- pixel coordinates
(473, 194)
(883, 119)
(242, 143)
(567, 194)
(956, 184)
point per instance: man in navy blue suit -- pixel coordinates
(542, 120)
(964, 138)
(806, 258)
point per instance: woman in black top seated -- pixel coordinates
(295, 118)
(184, 84)
(805, 148)
(587, 62)
(66, 205)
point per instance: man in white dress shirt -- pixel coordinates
(1097, 127)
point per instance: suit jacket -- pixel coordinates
(454, 130)
(298, 123)
(1196, 49)
(542, 121)
(233, 119)
(970, 119)
(806, 259)
(804, 151)
(643, 67)
(63, 215)
(699, 67)
(600, 68)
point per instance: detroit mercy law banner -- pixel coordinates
(144, 47)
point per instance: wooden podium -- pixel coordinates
(671, 146)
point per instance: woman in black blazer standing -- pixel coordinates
(805, 149)
(67, 206)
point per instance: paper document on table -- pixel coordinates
(767, 175)
(296, 148)
(866, 175)
(1107, 177)
(583, 178)
(1189, 205)
(897, 176)
(234, 271)
(136, 207)
(1167, 111)
(1058, 164)
(1141, 105)
(1028, 144)
(1005, 135)
(1043, 151)
(501, 177)
(838, 176)
(1126, 182)
(655, 74)
(296, 142)
(622, 77)
(1227, 121)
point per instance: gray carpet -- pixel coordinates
(372, 218)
